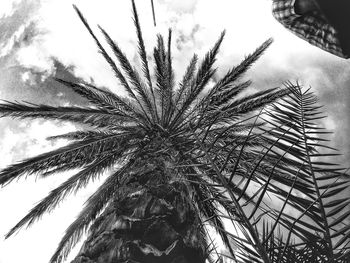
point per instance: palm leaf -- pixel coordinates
(110, 61)
(142, 52)
(186, 81)
(204, 74)
(73, 184)
(95, 204)
(90, 116)
(104, 99)
(74, 155)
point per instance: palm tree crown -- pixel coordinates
(213, 140)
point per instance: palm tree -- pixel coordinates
(181, 158)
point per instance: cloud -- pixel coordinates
(179, 6)
(17, 25)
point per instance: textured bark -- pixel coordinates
(155, 223)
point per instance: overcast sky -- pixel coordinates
(40, 39)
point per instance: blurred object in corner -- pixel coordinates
(323, 23)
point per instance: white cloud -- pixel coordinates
(6, 7)
(179, 6)
(32, 57)
(7, 46)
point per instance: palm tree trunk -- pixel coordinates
(156, 223)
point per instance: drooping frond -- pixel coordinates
(95, 204)
(251, 236)
(213, 215)
(74, 155)
(73, 184)
(207, 199)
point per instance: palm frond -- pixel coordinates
(78, 135)
(142, 51)
(73, 184)
(74, 155)
(248, 104)
(186, 81)
(294, 124)
(207, 198)
(161, 73)
(103, 99)
(93, 207)
(104, 53)
(93, 117)
(227, 95)
(252, 238)
(114, 67)
(143, 97)
(203, 75)
(236, 72)
(153, 13)
(170, 78)
(288, 165)
(165, 78)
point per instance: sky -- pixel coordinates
(41, 39)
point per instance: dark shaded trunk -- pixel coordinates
(155, 223)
